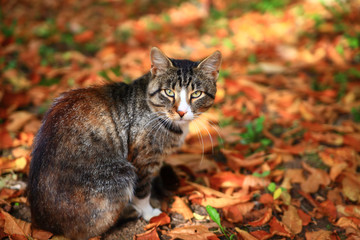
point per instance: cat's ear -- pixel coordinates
(159, 62)
(211, 65)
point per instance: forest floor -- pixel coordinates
(277, 157)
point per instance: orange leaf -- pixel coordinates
(278, 228)
(83, 37)
(195, 232)
(305, 218)
(15, 226)
(226, 179)
(41, 234)
(328, 208)
(5, 139)
(236, 212)
(266, 198)
(162, 219)
(261, 234)
(318, 235)
(181, 207)
(224, 202)
(267, 216)
(149, 235)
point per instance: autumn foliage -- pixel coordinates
(278, 154)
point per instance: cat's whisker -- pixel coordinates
(213, 125)
(201, 140)
(211, 140)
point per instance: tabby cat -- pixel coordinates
(98, 148)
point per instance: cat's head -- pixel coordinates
(181, 90)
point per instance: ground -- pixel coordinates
(276, 157)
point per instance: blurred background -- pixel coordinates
(289, 82)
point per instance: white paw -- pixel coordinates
(147, 215)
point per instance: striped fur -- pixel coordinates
(98, 148)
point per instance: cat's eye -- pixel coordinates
(196, 94)
(169, 92)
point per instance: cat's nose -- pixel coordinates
(181, 113)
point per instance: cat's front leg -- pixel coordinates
(141, 200)
(144, 208)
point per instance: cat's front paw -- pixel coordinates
(147, 215)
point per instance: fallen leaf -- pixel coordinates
(245, 235)
(40, 234)
(17, 120)
(317, 177)
(14, 226)
(149, 235)
(162, 219)
(292, 220)
(278, 228)
(318, 235)
(226, 179)
(7, 165)
(179, 206)
(351, 189)
(195, 232)
(267, 216)
(305, 218)
(236, 212)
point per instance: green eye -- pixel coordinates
(196, 94)
(169, 92)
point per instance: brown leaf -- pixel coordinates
(351, 189)
(7, 165)
(149, 235)
(292, 220)
(40, 234)
(195, 232)
(305, 218)
(317, 177)
(236, 212)
(245, 235)
(278, 228)
(5, 139)
(162, 219)
(83, 37)
(223, 202)
(15, 226)
(267, 216)
(17, 120)
(318, 235)
(226, 179)
(181, 207)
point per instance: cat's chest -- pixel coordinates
(156, 139)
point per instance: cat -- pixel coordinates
(98, 148)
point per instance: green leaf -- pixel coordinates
(259, 124)
(263, 174)
(214, 215)
(271, 187)
(265, 142)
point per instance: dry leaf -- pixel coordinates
(162, 219)
(15, 226)
(236, 212)
(292, 220)
(267, 216)
(181, 207)
(195, 232)
(318, 235)
(149, 235)
(245, 235)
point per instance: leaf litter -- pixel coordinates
(276, 157)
